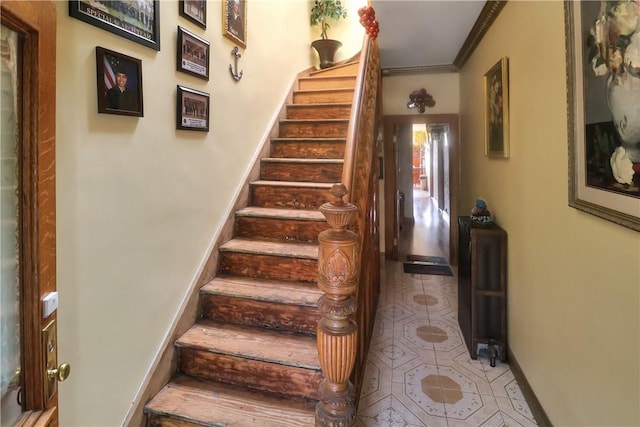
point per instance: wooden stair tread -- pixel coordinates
(264, 290)
(335, 68)
(311, 140)
(339, 89)
(296, 214)
(253, 343)
(250, 246)
(305, 121)
(294, 184)
(323, 104)
(301, 160)
(218, 404)
(320, 77)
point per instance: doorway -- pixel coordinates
(421, 192)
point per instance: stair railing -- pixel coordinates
(349, 255)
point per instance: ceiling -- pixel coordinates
(418, 36)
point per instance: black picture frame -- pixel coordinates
(593, 141)
(112, 68)
(192, 109)
(235, 29)
(193, 54)
(195, 11)
(496, 110)
(137, 21)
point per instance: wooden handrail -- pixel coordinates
(349, 255)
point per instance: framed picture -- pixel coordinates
(195, 11)
(234, 20)
(603, 89)
(192, 109)
(496, 110)
(193, 54)
(119, 83)
(134, 20)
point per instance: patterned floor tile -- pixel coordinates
(419, 371)
(516, 413)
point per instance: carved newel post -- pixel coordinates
(338, 269)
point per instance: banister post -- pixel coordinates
(338, 270)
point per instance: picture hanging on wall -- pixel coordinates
(195, 11)
(138, 21)
(192, 109)
(193, 54)
(603, 98)
(496, 110)
(119, 83)
(234, 21)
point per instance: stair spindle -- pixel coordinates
(338, 271)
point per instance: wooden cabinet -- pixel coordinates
(482, 287)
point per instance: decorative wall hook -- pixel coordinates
(420, 99)
(234, 72)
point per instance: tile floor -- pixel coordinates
(419, 372)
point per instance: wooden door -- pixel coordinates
(28, 52)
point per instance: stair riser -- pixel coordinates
(288, 197)
(308, 149)
(318, 111)
(261, 313)
(341, 70)
(265, 376)
(277, 229)
(320, 97)
(314, 129)
(317, 172)
(269, 267)
(155, 420)
(336, 82)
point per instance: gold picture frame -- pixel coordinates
(594, 144)
(496, 110)
(234, 21)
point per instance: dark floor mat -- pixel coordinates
(427, 258)
(427, 268)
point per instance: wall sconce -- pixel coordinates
(420, 99)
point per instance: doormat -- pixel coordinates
(427, 258)
(427, 268)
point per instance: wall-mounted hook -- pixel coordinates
(234, 73)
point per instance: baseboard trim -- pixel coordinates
(532, 400)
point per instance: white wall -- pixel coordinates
(138, 202)
(573, 279)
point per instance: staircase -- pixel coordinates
(252, 359)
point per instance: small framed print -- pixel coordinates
(193, 54)
(192, 109)
(119, 83)
(234, 21)
(496, 107)
(195, 11)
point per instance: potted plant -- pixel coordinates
(321, 11)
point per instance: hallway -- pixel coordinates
(419, 372)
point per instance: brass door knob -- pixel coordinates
(61, 373)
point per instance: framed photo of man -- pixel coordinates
(193, 54)
(119, 83)
(234, 21)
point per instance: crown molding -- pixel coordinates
(488, 14)
(427, 69)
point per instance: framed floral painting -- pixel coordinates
(496, 110)
(603, 107)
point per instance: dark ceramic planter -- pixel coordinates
(326, 49)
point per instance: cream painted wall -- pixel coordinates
(140, 203)
(573, 279)
(444, 87)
